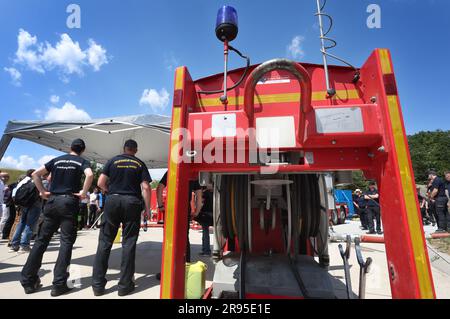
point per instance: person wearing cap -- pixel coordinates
(60, 211)
(373, 209)
(126, 180)
(439, 199)
(360, 206)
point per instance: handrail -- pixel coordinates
(294, 68)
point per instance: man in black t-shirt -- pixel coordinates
(359, 202)
(60, 211)
(439, 198)
(127, 181)
(373, 209)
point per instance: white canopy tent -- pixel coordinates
(104, 138)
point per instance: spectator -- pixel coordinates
(423, 208)
(439, 199)
(159, 198)
(30, 214)
(373, 209)
(83, 220)
(93, 206)
(60, 212)
(431, 207)
(9, 203)
(360, 204)
(195, 194)
(205, 219)
(4, 191)
(101, 203)
(447, 193)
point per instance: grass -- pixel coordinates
(441, 244)
(13, 174)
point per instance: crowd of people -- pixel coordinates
(367, 206)
(53, 199)
(434, 205)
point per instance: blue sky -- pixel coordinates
(122, 59)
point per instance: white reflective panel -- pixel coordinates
(223, 125)
(339, 120)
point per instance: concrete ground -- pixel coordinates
(148, 261)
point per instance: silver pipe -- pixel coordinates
(216, 213)
(323, 49)
(225, 75)
(288, 192)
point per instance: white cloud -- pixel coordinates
(68, 112)
(27, 56)
(96, 55)
(54, 99)
(16, 76)
(171, 61)
(156, 100)
(45, 159)
(24, 162)
(295, 49)
(66, 56)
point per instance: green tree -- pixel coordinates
(429, 150)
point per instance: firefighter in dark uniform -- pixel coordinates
(373, 209)
(359, 202)
(126, 180)
(439, 198)
(60, 211)
(447, 193)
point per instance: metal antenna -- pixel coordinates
(331, 44)
(330, 91)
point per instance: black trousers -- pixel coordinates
(441, 212)
(373, 212)
(362, 212)
(83, 216)
(92, 214)
(9, 222)
(59, 211)
(119, 209)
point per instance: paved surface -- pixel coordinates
(148, 263)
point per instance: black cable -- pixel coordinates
(238, 82)
(242, 275)
(299, 279)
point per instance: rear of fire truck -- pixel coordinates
(273, 139)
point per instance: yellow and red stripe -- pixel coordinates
(169, 239)
(407, 181)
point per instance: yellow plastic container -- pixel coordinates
(195, 280)
(118, 238)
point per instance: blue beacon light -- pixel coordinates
(227, 24)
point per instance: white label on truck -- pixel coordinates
(223, 125)
(339, 120)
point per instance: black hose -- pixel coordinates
(238, 82)
(223, 206)
(242, 275)
(299, 279)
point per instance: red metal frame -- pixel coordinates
(381, 151)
